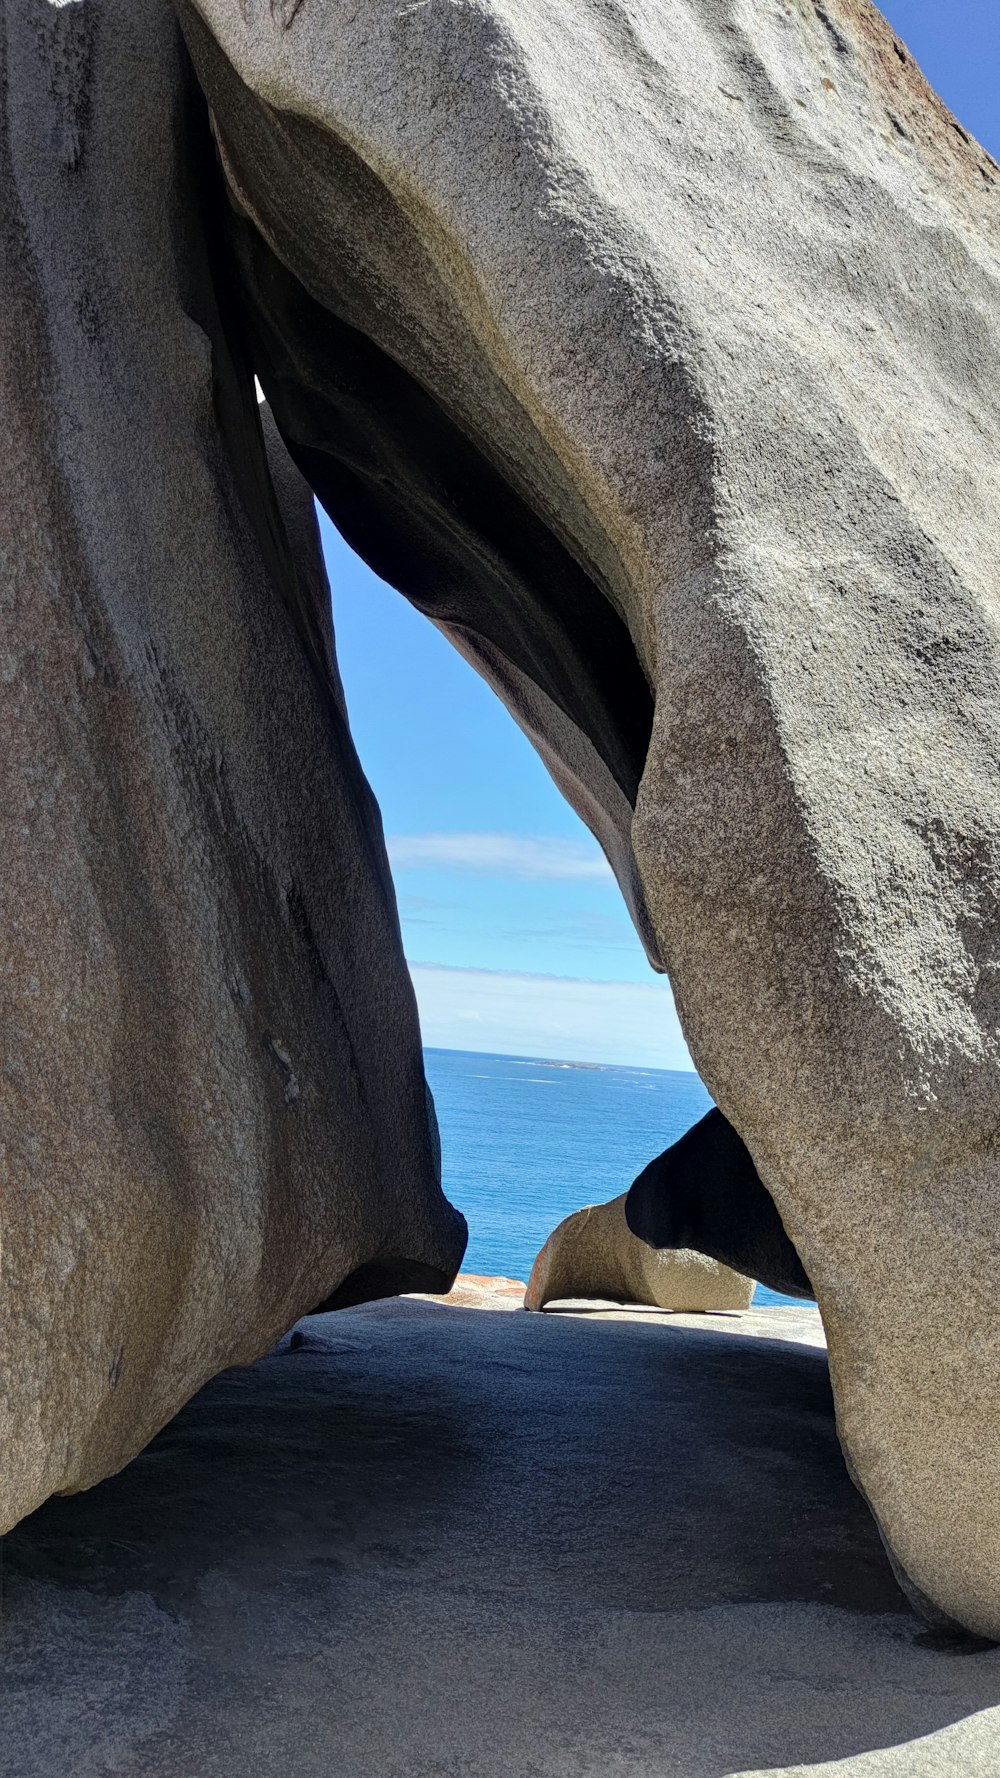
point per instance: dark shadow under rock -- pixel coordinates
(431, 1540)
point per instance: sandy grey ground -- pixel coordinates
(452, 1542)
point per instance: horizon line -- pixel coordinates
(443, 1049)
(540, 975)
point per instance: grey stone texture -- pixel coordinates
(212, 1102)
(437, 1541)
(677, 325)
(704, 1192)
(593, 1253)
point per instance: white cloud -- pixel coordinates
(562, 1017)
(501, 855)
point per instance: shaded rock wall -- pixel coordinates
(212, 1102)
(715, 292)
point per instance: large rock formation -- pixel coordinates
(656, 350)
(213, 1105)
(594, 1254)
(704, 1193)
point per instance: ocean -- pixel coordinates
(525, 1141)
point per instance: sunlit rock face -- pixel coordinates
(593, 1253)
(681, 321)
(213, 1105)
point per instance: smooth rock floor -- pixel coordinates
(447, 1541)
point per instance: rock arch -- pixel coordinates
(654, 352)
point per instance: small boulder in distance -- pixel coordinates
(705, 1193)
(593, 1254)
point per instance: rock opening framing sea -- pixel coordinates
(526, 1140)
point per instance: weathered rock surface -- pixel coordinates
(593, 1253)
(416, 1539)
(473, 1291)
(681, 324)
(705, 1193)
(212, 1103)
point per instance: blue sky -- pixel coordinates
(516, 933)
(957, 43)
(517, 936)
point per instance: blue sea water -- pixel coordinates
(526, 1141)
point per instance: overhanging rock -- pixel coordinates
(711, 294)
